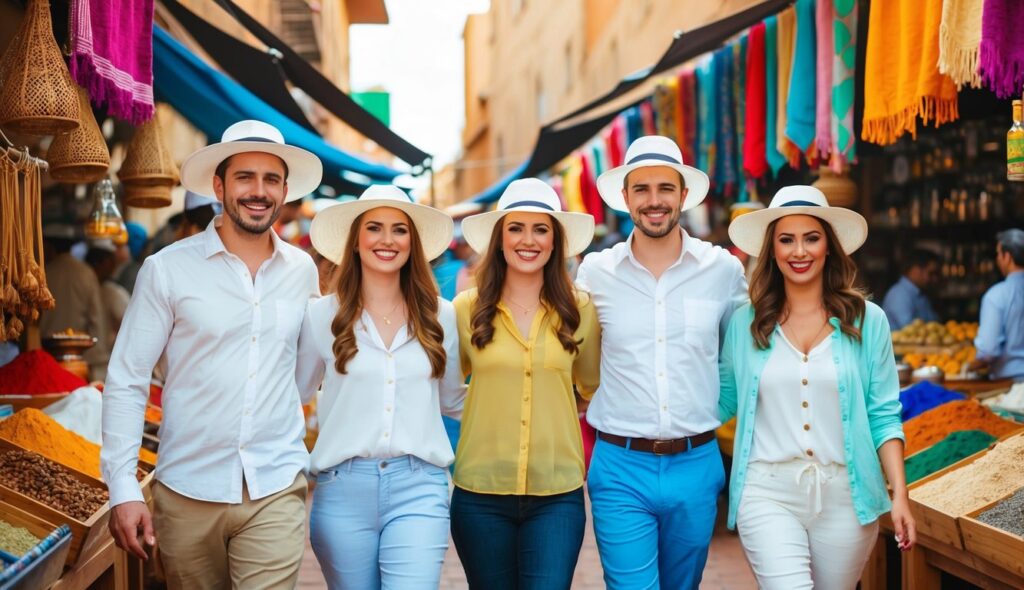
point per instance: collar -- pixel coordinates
(692, 247)
(214, 245)
(909, 284)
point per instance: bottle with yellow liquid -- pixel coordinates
(105, 221)
(1015, 145)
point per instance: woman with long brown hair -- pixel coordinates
(807, 368)
(388, 345)
(525, 336)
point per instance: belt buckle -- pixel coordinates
(661, 447)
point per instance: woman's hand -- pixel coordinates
(903, 522)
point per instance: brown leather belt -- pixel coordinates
(659, 447)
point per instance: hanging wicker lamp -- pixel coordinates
(148, 162)
(37, 95)
(80, 156)
(147, 197)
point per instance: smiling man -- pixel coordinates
(223, 308)
(664, 299)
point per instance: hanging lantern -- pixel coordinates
(839, 189)
(105, 221)
(37, 95)
(147, 197)
(148, 163)
(80, 156)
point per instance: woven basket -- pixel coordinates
(37, 95)
(80, 156)
(148, 161)
(147, 197)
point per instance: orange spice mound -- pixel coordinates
(33, 430)
(932, 426)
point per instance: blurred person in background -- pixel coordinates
(907, 299)
(1000, 340)
(104, 258)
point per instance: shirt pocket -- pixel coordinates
(288, 321)
(700, 324)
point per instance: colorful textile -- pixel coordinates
(725, 174)
(647, 117)
(754, 163)
(592, 202)
(960, 41)
(707, 107)
(615, 141)
(1001, 60)
(771, 52)
(666, 102)
(112, 55)
(844, 66)
(634, 124)
(739, 96)
(823, 79)
(801, 107)
(786, 44)
(572, 191)
(688, 120)
(901, 80)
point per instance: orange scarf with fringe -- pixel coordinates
(901, 78)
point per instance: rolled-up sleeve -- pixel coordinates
(147, 327)
(990, 339)
(883, 395)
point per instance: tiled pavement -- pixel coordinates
(727, 569)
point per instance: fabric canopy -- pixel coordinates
(211, 101)
(259, 71)
(320, 89)
(555, 143)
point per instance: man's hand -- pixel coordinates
(126, 520)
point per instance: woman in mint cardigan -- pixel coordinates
(808, 370)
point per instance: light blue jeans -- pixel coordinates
(381, 523)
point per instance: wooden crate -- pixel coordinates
(992, 544)
(19, 402)
(87, 535)
(933, 522)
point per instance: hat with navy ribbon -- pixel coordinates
(304, 169)
(331, 226)
(748, 231)
(530, 195)
(653, 150)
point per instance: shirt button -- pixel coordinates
(660, 302)
(810, 453)
(524, 422)
(383, 464)
(252, 376)
(807, 426)
(661, 339)
(805, 404)
(529, 373)
(805, 358)
(386, 435)
(391, 381)
(661, 374)
(664, 408)
(390, 355)
(241, 448)
(256, 303)
(387, 408)
(803, 381)
(526, 398)
(254, 339)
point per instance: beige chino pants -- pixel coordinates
(216, 546)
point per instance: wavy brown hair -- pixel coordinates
(557, 292)
(418, 289)
(768, 292)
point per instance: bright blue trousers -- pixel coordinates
(654, 515)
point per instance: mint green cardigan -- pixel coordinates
(868, 396)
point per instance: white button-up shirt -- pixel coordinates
(660, 338)
(230, 404)
(387, 404)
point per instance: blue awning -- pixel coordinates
(212, 102)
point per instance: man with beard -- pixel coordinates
(221, 310)
(664, 299)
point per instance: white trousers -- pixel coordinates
(798, 527)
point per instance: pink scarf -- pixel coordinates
(1001, 60)
(112, 55)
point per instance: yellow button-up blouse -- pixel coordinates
(520, 425)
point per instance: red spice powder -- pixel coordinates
(36, 372)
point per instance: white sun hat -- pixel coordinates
(330, 227)
(530, 195)
(748, 231)
(304, 169)
(652, 150)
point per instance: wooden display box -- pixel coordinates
(933, 522)
(1000, 547)
(86, 535)
(47, 573)
(20, 402)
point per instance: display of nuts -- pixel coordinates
(39, 478)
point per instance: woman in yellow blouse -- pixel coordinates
(525, 336)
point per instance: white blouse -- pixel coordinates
(388, 405)
(798, 415)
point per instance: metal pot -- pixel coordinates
(930, 373)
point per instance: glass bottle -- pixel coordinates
(1015, 146)
(105, 221)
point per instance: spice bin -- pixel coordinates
(931, 521)
(1002, 548)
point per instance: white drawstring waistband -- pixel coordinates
(814, 486)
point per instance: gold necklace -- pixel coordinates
(385, 316)
(814, 339)
(526, 310)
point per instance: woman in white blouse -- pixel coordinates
(388, 345)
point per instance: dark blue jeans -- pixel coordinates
(518, 542)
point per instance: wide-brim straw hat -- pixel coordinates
(530, 195)
(748, 231)
(304, 169)
(652, 150)
(330, 227)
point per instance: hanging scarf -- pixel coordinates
(901, 80)
(572, 184)
(688, 119)
(754, 162)
(588, 186)
(739, 95)
(960, 41)
(707, 116)
(823, 79)
(1001, 60)
(786, 42)
(844, 66)
(666, 102)
(615, 141)
(647, 117)
(771, 52)
(634, 124)
(112, 55)
(801, 108)
(725, 174)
